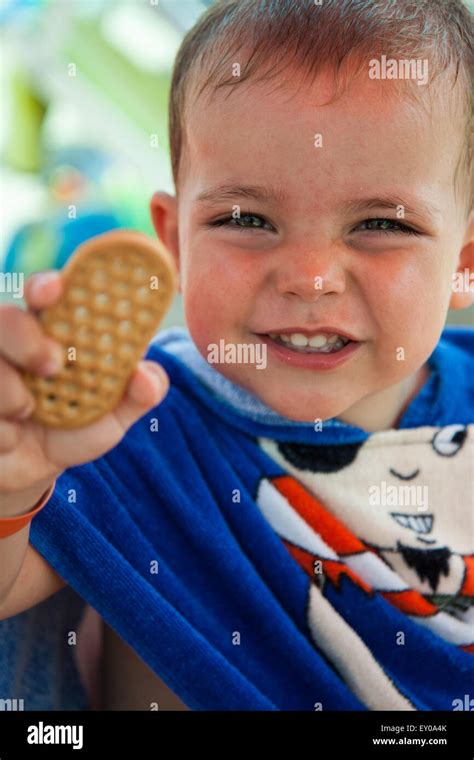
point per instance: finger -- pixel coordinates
(9, 436)
(43, 289)
(16, 402)
(24, 344)
(147, 388)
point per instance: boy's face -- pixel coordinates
(310, 262)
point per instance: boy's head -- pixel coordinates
(338, 135)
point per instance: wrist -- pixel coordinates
(11, 525)
(22, 503)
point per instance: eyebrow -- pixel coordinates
(416, 207)
(252, 192)
(228, 192)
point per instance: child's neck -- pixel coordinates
(383, 410)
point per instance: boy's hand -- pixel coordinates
(32, 455)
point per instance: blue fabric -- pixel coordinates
(223, 621)
(37, 664)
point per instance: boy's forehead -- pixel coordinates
(286, 131)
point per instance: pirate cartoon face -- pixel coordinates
(407, 494)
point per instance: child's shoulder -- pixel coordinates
(453, 363)
(461, 338)
(455, 353)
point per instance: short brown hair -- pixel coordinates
(308, 36)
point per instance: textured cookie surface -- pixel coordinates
(118, 287)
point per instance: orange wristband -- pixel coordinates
(11, 525)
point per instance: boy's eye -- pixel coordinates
(386, 225)
(243, 222)
(256, 222)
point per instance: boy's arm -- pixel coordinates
(33, 456)
(14, 538)
(128, 683)
(34, 583)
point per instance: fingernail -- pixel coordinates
(159, 372)
(50, 367)
(25, 413)
(39, 281)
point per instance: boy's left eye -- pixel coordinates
(387, 225)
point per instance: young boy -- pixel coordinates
(291, 528)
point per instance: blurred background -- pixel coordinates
(83, 138)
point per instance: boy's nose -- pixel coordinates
(309, 275)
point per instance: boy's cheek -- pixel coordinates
(201, 321)
(218, 299)
(208, 314)
(405, 297)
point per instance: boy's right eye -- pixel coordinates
(243, 222)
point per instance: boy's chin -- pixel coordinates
(313, 409)
(313, 412)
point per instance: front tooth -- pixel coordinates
(298, 339)
(413, 523)
(318, 341)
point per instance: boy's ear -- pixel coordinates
(463, 279)
(164, 215)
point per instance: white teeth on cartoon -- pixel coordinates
(418, 524)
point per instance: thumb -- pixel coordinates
(148, 386)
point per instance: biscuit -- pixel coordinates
(118, 287)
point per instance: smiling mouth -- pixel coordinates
(320, 343)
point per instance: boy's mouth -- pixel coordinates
(317, 342)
